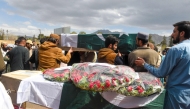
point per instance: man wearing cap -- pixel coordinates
(50, 56)
(29, 47)
(148, 54)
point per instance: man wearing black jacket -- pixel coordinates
(19, 56)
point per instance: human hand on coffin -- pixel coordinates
(70, 50)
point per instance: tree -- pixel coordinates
(170, 42)
(73, 32)
(40, 36)
(150, 39)
(1, 34)
(29, 38)
(33, 38)
(99, 32)
(7, 35)
(82, 32)
(163, 43)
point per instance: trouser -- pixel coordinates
(1, 72)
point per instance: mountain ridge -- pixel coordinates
(155, 37)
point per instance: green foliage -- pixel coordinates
(1, 34)
(28, 38)
(150, 39)
(33, 38)
(82, 32)
(73, 32)
(170, 42)
(40, 36)
(164, 43)
(99, 32)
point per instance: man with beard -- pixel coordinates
(148, 54)
(176, 66)
(2, 64)
(108, 55)
(4, 49)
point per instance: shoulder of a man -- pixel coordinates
(152, 51)
(58, 49)
(176, 48)
(13, 50)
(136, 51)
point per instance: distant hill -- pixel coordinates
(158, 39)
(155, 37)
(106, 32)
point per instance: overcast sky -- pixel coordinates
(26, 17)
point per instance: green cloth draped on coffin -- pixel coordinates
(127, 42)
(75, 98)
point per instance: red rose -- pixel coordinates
(62, 75)
(91, 75)
(91, 85)
(129, 89)
(113, 81)
(126, 79)
(98, 84)
(103, 87)
(138, 87)
(107, 83)
(140, 90)
(55, 75)
(77, 79)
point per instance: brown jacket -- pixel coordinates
(106, 55)
(150, 56)
(50, 56)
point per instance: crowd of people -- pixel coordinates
(173, 63)
(26, 55)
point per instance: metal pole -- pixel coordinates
(7, 35)
(40, 33)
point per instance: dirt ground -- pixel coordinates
(8, 41)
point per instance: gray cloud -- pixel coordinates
(154, 15)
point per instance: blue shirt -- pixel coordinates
(176, 66)
(163, 56)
